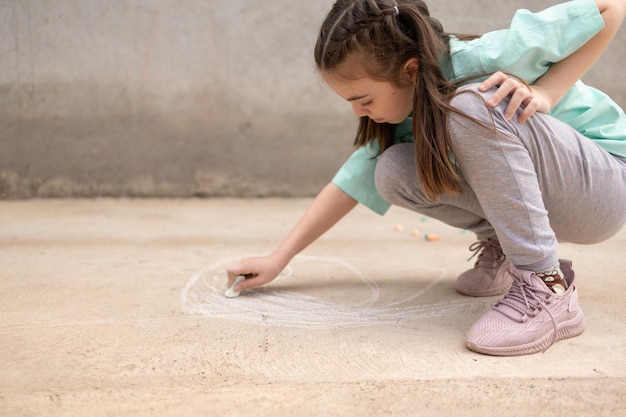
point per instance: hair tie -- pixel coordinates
(397, 10)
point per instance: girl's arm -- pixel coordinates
(548, 90)
(562, 75)
(330, 205)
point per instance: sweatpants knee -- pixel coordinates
(395, 167)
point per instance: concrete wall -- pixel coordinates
(190, 97)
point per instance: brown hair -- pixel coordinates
(379, 37)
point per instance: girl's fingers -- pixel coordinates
(241, 268)
(507, 88)
(251, 281)
(232, 272)
(494, 80)
(514, 103)
(531, 108)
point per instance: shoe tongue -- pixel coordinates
(530, 278)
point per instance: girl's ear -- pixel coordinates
(410, 69)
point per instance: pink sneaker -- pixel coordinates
(530, 318)
(489, 276)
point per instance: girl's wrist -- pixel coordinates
(282, 257)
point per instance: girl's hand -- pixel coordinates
(258, 271)
(330, 205)
(531, 98)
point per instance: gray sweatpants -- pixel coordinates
(530, 184)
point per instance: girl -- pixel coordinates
(461, 157)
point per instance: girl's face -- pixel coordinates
(381, 101)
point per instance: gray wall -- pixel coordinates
(183, 98)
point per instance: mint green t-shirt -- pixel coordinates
(532, 43)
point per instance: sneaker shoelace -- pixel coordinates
(489, 253)
(527, 301)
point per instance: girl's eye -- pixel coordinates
(367, 103)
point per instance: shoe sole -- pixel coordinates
(566, 330)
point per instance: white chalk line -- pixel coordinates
(204, 295)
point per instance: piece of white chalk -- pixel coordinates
(230, 292)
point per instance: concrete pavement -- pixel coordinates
(116, 307)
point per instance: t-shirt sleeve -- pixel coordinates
(356, 178)
(532, 43)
